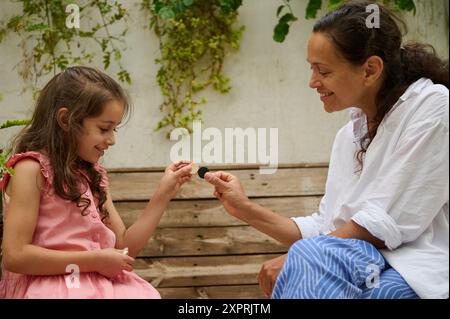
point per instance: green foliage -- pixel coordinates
(50, 46)
(281, 30)
(195, 37)
(11, 123)
(3, 159)
(5, 153)
(405, 5)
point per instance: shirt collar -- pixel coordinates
(414, 89)
(359, 118)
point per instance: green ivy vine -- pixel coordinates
(49, 45)
(3, 158)
(286, 15)
(5, 153)
(195, 36)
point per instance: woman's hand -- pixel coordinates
(269, 274)
(175, 175)
(111, 262)
(229, 191)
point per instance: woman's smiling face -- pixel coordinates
(339, 83)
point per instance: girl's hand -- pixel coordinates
(269, 274)
(229, 191)
(111, 262)
(175, 175)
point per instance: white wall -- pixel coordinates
(270, 85)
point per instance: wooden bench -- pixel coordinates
(198, 250)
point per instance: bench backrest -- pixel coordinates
(198, 250)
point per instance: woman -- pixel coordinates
(382, 228)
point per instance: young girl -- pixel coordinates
(382, 230)
(58, 213)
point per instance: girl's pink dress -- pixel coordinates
(61, 226)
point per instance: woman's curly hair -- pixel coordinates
(403, 65)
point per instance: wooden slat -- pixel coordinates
(201, 271)
(198, 250)
(206, 213)
(285, 182)
(213, 292)
(216, 167)
(198, 241)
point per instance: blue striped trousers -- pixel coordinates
(326, 267)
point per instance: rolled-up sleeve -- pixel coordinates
(313, 225)
(379, 224)
(411, 186)
(309, 226)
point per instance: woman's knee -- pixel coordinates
(310, 249)
(328, 249)
(318, 244)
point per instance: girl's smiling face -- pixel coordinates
(339, 83)
(99, 132)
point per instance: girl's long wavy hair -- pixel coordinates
(84, 91)
(403, 65)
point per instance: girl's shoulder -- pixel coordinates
(38, 157)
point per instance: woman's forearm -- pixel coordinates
(355, 231)
(272, 224)
(35, 260)
(137, 235)
(230, 192)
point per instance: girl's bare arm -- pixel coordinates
(19, 254)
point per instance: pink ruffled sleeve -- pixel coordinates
(38, 157)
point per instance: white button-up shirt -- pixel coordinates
(401, 196)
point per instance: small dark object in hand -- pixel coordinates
(202, 171)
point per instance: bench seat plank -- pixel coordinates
(210, 212)
(195, 241)
(213, 292)
(201, 271)
(286, 182)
